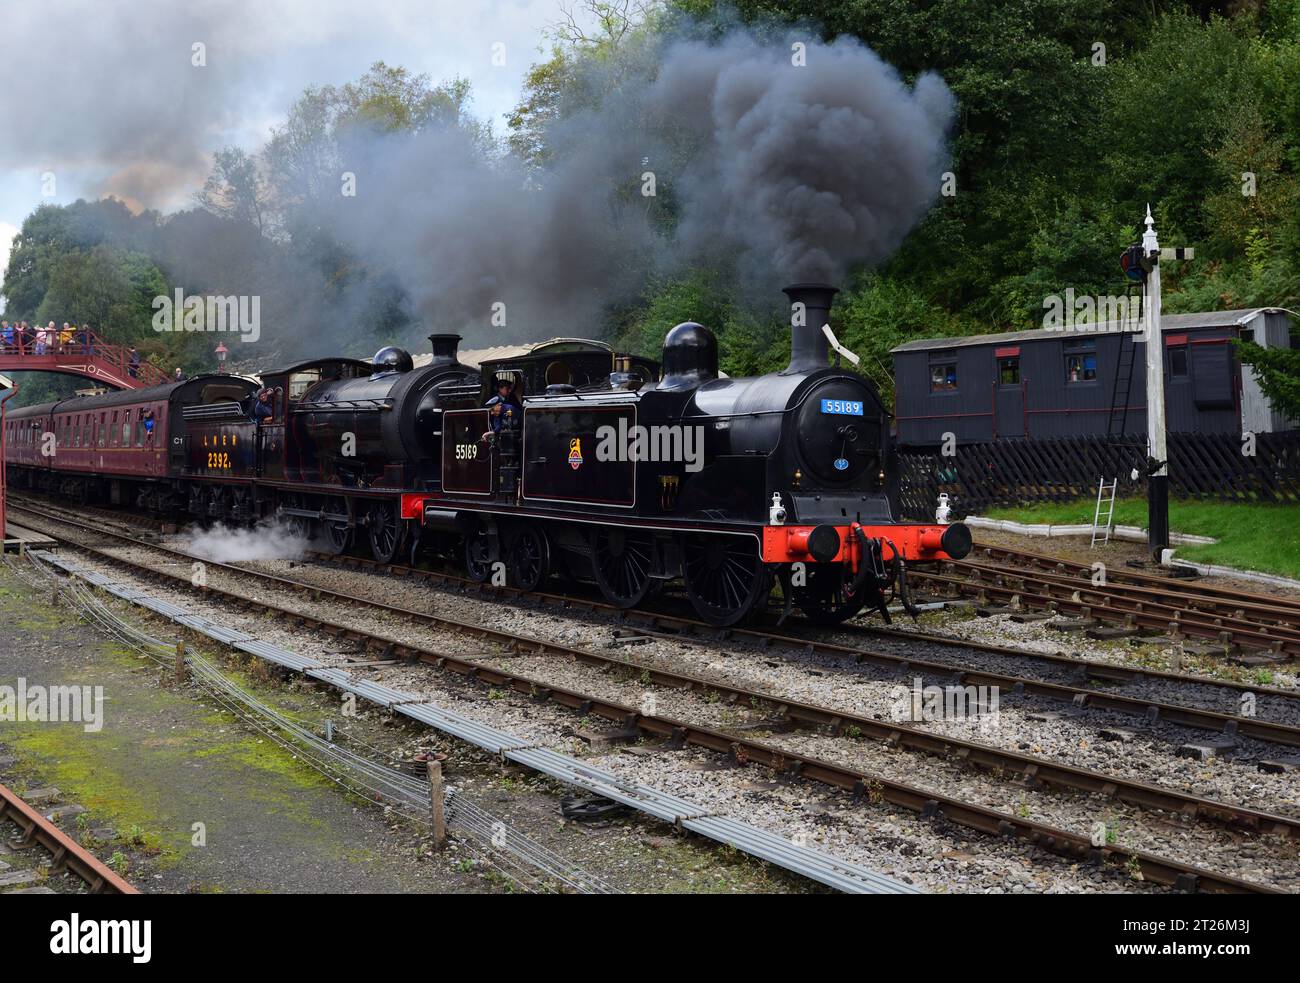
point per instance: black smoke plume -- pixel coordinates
(774, 156)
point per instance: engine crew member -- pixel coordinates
(504, 409)
(262, 408)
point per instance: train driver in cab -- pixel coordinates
(262, 407)
(504, 409)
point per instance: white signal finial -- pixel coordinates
(1150, 245)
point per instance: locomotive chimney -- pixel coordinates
(808, 351)
(444, 348)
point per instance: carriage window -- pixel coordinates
(1009, 371)
(943, 378)
(1178, 361)
(1081, 365)
(139, 433)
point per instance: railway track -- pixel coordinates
(672, 623)
(1186, 586)
(667, 624)
(747, 751)
(662, 617)
(117, 517)
(1266, 626)
(65, 853)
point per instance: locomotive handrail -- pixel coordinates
(212, 411)
(385, 403)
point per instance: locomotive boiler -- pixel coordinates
(381, 429)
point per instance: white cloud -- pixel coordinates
(127, 95)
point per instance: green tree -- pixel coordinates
(234, 189)
(111, 291)
(1278, 370)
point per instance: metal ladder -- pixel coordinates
(1110, 511)
(1117, 419)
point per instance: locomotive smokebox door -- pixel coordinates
(580, 454)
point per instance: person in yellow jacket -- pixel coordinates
(65, 338)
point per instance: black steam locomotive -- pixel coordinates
(606, 469)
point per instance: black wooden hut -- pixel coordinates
(1088, 380)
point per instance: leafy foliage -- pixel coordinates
(1278, 370)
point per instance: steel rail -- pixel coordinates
(1182, 608)
(1285, 621)
(68, 854)
(658, 618)
(654, 619)
(1111, 607)
(808, 862)
(742, 750)
(374, 780)
(1151, 710)
(1181, 585)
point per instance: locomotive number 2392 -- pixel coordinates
(467, 452)
(219, 460)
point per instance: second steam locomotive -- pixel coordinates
(589, 464)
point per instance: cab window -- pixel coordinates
(300, 382)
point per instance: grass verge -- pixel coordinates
(1250, 536)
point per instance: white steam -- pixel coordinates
(270, 539)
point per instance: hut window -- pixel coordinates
(1178, 361)
(1081, 365)
(1009, 370)
(943, 377)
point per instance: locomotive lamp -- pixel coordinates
(222, 352)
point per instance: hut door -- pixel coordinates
(1008, 393)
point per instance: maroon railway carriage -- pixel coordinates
(93, 448)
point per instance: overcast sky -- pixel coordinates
(103, 94)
